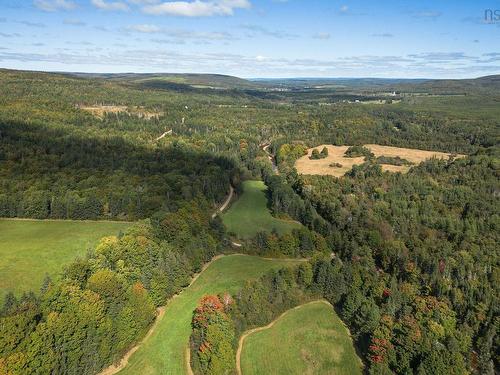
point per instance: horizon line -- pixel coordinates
(249, 78)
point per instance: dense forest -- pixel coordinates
(47, 173)
(415, 272)
(410, 261)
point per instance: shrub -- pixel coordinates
(357, 151)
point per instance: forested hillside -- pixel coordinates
(419, 284)
(409, 260)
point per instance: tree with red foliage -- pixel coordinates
(213, 336)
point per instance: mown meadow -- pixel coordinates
(30, 250)
(250, 214)
(308, 339)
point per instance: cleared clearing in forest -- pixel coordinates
(308, 339)
(305, 165)
(31, 249)
(101, 110)
(250, 215)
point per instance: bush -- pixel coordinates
(316, 155)
(392, 160)
(357, 151)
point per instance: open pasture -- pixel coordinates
(309, 339)
(336, 156)
(30, 249)
(165, 351)
(100, 111)
(249, 214)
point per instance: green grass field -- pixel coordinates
(250, 215)
(164, 352)
(30, 249)
(308, 340)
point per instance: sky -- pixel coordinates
(254, 38)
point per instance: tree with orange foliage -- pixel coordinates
(213, 336)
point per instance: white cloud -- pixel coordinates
(383, 35)
(101, 4)
(30, 24)
(74, 22)
(427, 14)
(181, 36)
(271, 33)
(197, 8)
(323, 36)
(143, 2)
(53, 5)
(144, 28)
(210, 35)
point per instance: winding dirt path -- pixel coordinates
(270, 157)
(258, 329)
(225, 204)
(113, 369)
(164, 135)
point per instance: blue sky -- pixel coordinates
(253, 38)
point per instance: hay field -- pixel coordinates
(164, 352)
(305, 165)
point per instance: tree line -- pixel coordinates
(104, 303)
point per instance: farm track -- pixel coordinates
(113, 369)
(271, 158)
(226, 202)
(270, 325)
(164, 135)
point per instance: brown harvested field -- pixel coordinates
(305, 165)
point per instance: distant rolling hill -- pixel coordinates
(187, 82)
(213, 81)
(457, 86)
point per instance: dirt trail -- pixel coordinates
(258, 329)
(113, 369)
(270, 157)
(164, 135)
(226, 202)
